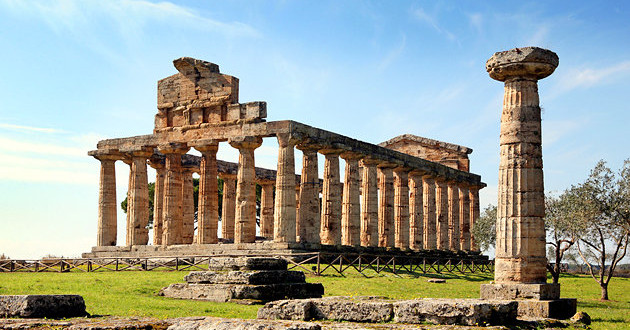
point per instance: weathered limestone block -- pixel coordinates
(556, 309)
(42, 306)
(250, 110)
(540, 291)
(455, 311)
(247, 263)
(228, 212)
(227, 292)
(239, 324)
(266, 209)
(357, 309)
(245, 277)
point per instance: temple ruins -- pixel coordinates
(406, 194)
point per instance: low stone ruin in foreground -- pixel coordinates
(245, 280)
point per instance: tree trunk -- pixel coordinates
(604, 291)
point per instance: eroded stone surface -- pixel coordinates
(249, 277)
(228, 292)
(455, 311)
(40, 306)
(542, 291)
(247, 263)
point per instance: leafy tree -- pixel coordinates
(484, 228)
(562, 229)
(601, 203)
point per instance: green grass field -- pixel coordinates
(134, 293)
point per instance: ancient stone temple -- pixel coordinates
(408, 194)
(520, 264)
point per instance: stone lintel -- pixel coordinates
(511, 291)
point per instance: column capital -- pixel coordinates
(245, 142)
(143, 151)
(205, 145)
(368, 161)
(349, 155)
(402, 169)
(530, 63)
(287, 139)
(173, 148)
(156, 162)
(330, 151)
(417, 173)
(106, 154)
(387, 165)
(308, 146)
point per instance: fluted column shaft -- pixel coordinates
(369, 204)
(285, 203)
(441, 204)
(107, 206)
(188, 206)
(474, 215)
(464, 215)
(138, 200)
(428, 183)
(386, 207)
(172, 212)
(208, 205)
(228, 211)
(158, 202)
(454, 216)
(401, 207)
(245, 225)
(330, 233)
(309, 218)
(266, 209)
(416, 212)
(351, 207)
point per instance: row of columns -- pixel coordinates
(383, 204)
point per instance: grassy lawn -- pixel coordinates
(134, 293)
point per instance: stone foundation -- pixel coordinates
(511, 291)
(42, 306)
(375, 309)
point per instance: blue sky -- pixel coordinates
(74, 72)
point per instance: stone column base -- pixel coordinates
(538, 291)
(536, 301)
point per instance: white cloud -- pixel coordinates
(476, 21)
(393, 54)
(575, 78)
(432, 21)
(30, 128)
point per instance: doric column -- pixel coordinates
(208, 205)
(245, 224)
(285, 204)
(228, 211)
(266, 209)
(386, 205)
(309, 219)
(158, 199)
(330, 233)
(474, 214)
(464, 217)
(401, 207)
(188, 205)
(107, 206)
(441, 209)
(369, 203)
(453, 216)
(138, 197)
(416, 211)
(351, 207)
(520, 246)
(428, 183)
(172, 211)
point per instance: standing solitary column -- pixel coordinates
(208, 205)
(172, 212)
(309, 219)
(229, 206)
(107, 206)
(401, 207)
(351, 208)
(285, 205)
(138, 198)
(245, 225)
(266, 209)
(428, 184)
(416, 211)
(474, 214)
(188, 205)
(331, 199)
(158, 199)
(441, 204)
(520, 246)
(369, 203)
(464, 217)
(453, 216)
(386, 206)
